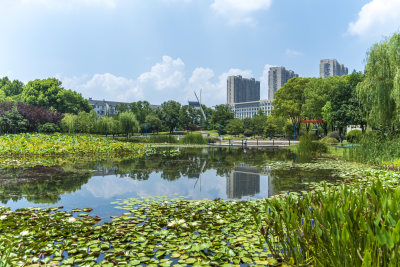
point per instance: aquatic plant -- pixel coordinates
(308, 146)
(339, 226)
(193, 138)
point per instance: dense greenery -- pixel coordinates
(193, 138)
(349, 225)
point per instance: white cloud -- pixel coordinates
(167, 74)
(293, 53)
(377, 18)
(264, 82)
(213, 92)
(239, 11)
(165, 77)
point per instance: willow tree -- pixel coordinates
(380, 90)
(289, 100)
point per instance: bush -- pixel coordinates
(329, 140)
(163, 139)
(248, 132)
(48, 128)
(354, 136)
(334, 134)
(193, 138)
(308, 146)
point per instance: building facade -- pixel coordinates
(242, 90)
(249, 109)
(331, 67)
(277, 77)
(109, 108)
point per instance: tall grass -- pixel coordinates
(310, 147)
(170, 139)
(344, 226)
(193, 138)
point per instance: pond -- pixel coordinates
(197, 173)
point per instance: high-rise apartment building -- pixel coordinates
(277, 77)
(331, 67)
(242, 90)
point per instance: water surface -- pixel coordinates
(198, 173)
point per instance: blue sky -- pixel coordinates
(157, 50)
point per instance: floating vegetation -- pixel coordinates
(28, 150)
(153, 231)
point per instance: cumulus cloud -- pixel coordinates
(213, 91)
(377, 18)
(239, 11)
(165, 81)
(167, 74)
(165, 77)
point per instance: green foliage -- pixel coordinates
(193, 138)
(329, 140)
(343, 226)
(9, 88)
(334, 134)
(235, 126)
(48, 128)
(308, 146)
(13, 122)
(170, 114)
(129, 124)
(221, 117)
(248, 132)
(170, 139)
(354, 136)
(154, 124)
(380, 90)
(48, 93)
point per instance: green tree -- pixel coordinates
(259, 122)
(11, 89)
(68, 123)
(129, 124)
(275, 126)
(289, 100)
(13, 122)
(153, 123)
(141, 109)
(170, 114)
(380, 90)
(48, 93)
(235, 126)
(221, 117)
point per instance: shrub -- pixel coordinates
(48, 128)
(354, 136)
(334, 134)
(308, 146)
(329, 140)
(248, 132)
(193, 138)
(163, 139)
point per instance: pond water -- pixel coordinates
(198, 173)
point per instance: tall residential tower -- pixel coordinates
(242, 90)
(277, 77)
(331, 67)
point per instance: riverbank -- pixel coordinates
(28, 150)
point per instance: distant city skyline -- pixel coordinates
(159, 50)
(277, 77)
(331, 67)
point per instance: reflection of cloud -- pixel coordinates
(110, 186)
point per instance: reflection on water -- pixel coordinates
(197, 173)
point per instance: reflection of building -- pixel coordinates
(105, 172)
(249, 109)
(277, 77)
(243, 181)
(331, 67)
(242, 90)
